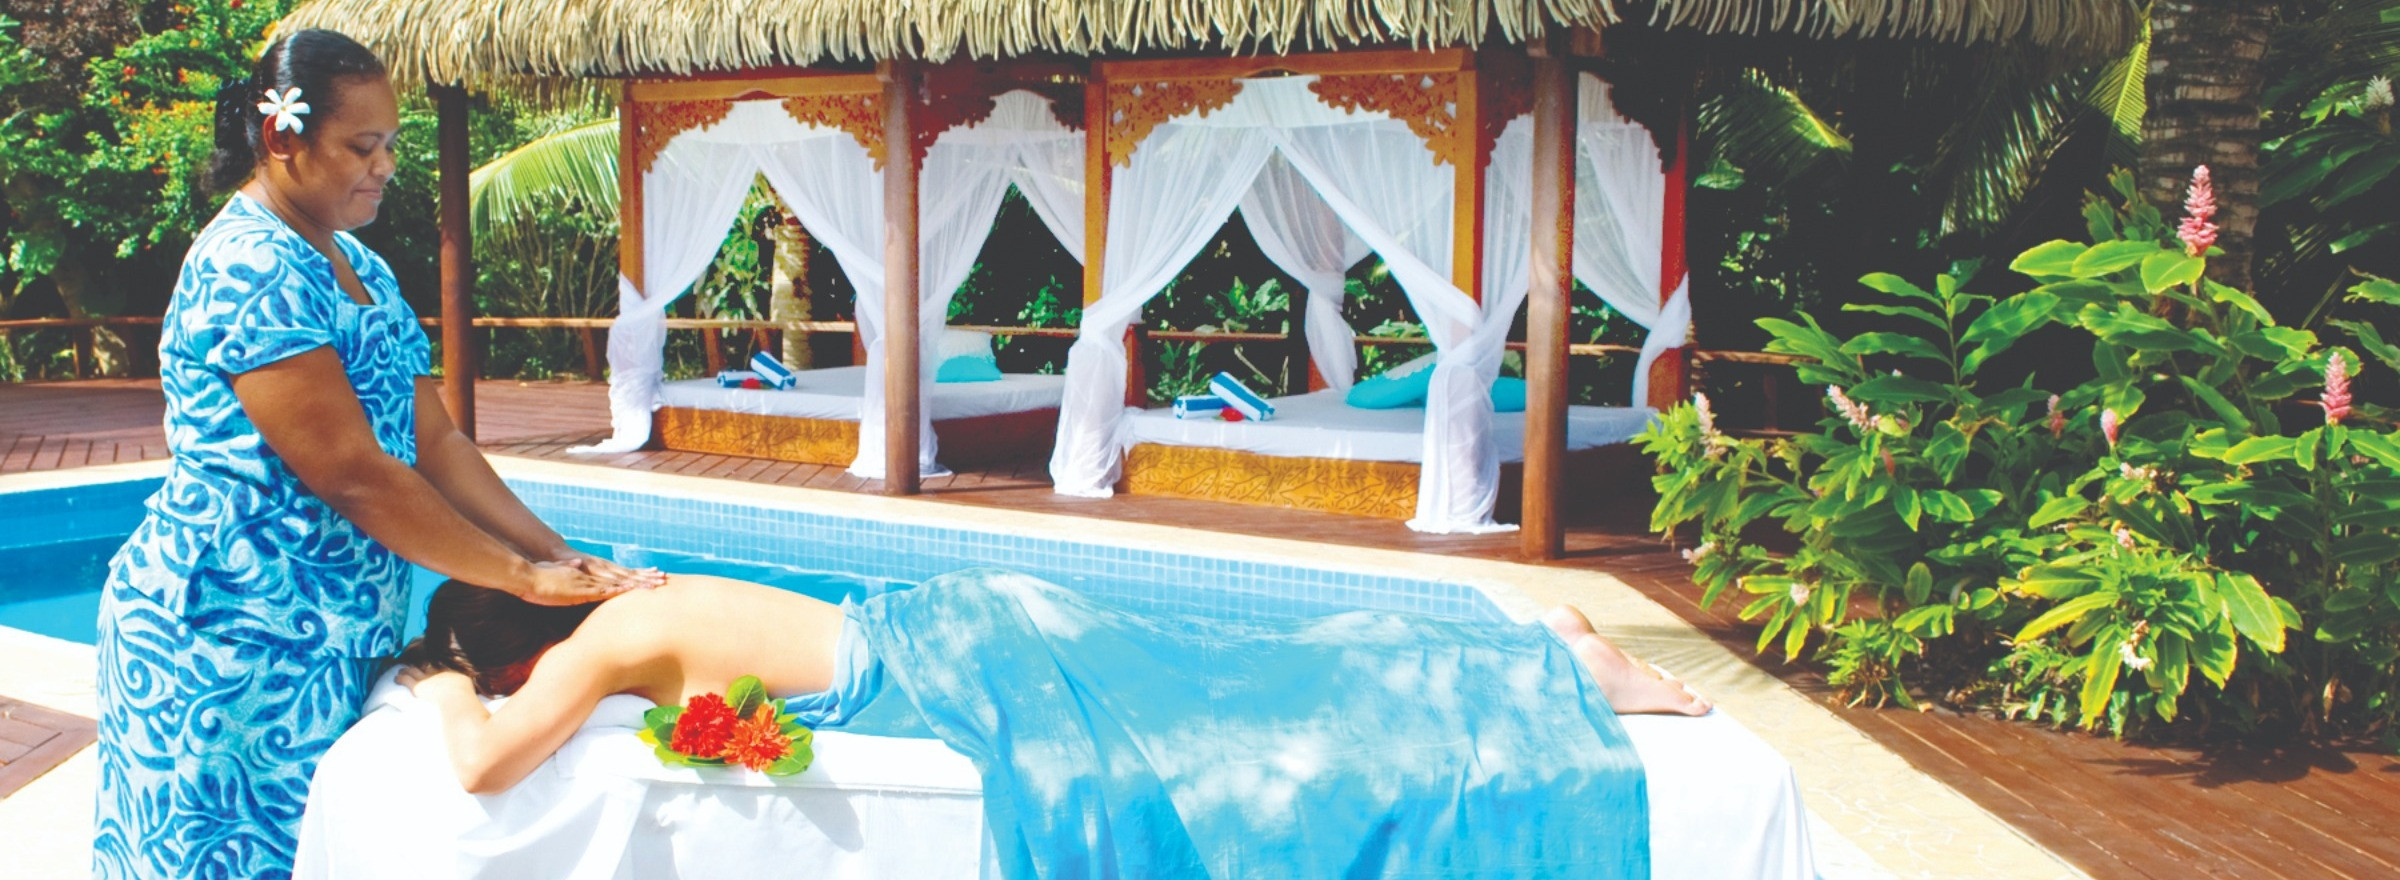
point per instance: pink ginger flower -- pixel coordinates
(2058, 420)
(2108, 426)
(2124, 537)
(2199, 209)
(1850, 409)
(1708, 418)
(2337, 389)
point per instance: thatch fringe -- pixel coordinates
(479, 42)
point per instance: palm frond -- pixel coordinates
(1769, 132)
(2003, 139)
(578, 164)
(2119, 94)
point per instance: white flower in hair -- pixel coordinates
(285, 108)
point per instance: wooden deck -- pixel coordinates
(2114, 809)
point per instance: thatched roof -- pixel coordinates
(481, 41)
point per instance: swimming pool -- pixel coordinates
(55, 544)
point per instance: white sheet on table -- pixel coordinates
(1320, 425)
(385, 804)
(833, 393)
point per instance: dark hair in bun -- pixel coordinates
(312, 61)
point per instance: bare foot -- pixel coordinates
(1634, 687)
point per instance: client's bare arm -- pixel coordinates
(493, 750)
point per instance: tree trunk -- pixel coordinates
(789, 294)
(2204, 85)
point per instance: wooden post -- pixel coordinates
(901, 357)
(712, 350)
(1466, 209)
(1669, 379)
(629, 192)
(591, 352)
(1543, 536)
(1097, 170)
(1296, 318)
(458, 260)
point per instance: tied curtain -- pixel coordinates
(695, 187)
(1620, 219)
(1301, 235)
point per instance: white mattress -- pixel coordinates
(1320, 425)
(833, 393)
(385, 804)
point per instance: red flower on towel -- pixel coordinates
(758, 741)
(745, 727)
(704, 728)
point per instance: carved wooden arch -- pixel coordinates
(1429, 90)
(656, 123)
(1136, 108)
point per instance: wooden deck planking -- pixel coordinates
(2114, 809)
(34, 739)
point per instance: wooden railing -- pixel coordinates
(83, 357)
(766, 337)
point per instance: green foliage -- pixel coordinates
(2226, 553)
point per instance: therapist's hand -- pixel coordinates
(557, 583)
(609, 570)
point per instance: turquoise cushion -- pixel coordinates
(1508, 394)
(967, 368)
(1404, 385)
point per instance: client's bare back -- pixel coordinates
(700, 632)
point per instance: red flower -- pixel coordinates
(704, 728)
(758, 741)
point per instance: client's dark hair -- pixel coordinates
(314, 61)
(489, 635)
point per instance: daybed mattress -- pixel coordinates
(1320, 425)
(833, 393)
(385, 804)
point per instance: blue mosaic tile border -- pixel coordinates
(911, 553)
(871, 550)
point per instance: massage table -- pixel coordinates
(386, 804)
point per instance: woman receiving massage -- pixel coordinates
(1114, 742)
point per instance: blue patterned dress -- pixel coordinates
(242, 621)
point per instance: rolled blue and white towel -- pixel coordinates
(1241, 398)
(735, 378)
(1199, 406)
(772, 372)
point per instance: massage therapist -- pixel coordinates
(246, 617)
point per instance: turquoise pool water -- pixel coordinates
(55, 545)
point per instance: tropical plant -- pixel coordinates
(2329, 181)
(2102, 555)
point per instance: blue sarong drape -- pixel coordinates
(1116, 744)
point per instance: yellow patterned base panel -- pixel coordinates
(784, 438)
(981, 440)
(1385, 489)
